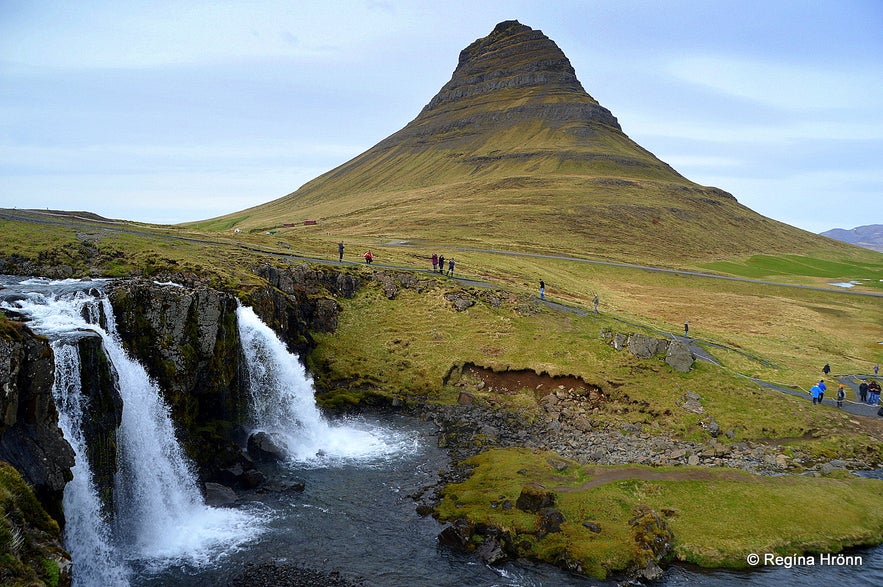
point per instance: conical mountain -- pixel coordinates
(513, 153)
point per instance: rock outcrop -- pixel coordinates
(104, 413)
(677, 355)
(30, 438)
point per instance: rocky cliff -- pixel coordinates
(40, 458)
(30, 438)
(185, 334)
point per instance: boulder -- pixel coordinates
(457, 535)
(263, 447)
(654, 538)
(217, 495)
(550, 521)
(645, 347)
(679, 357)
(534, 498)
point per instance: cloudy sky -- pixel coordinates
(168, 111)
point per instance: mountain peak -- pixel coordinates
(512, 148)
(520, 65)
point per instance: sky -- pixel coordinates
(167, 111)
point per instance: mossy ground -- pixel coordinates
(718, 516)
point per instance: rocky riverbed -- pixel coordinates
(575, 426)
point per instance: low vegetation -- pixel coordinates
(29, 554)
(716, 517)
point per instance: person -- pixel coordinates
(823, 388)
(451, 267)
(434, 262)
(876, 370)
(815, 392)
(542, 290)
(863, 392)
(826, 369)
(595, 303)
(369, 256)
(873, 392)
(686, 329)
(841, 395)
(441, 263)
(340, 251)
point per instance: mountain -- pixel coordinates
(513, 153)
(869, 237)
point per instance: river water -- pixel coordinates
(355, 515)
(358, 518)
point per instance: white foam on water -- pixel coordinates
(284, 406)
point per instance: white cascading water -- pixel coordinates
(96, 559)
(284, 406)
(160, 516)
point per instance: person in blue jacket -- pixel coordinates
(816, 394)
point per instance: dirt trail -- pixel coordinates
(601, 476)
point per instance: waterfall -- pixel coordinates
(160, 517)
(88, 535)
(283, 404)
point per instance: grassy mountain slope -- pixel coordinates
(513, 153)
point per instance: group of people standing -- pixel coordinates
(438, 264)
(868, 391)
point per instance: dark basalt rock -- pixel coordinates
(30, 438)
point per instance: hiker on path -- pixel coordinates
(434, 262)
(873, 392)
(863, 392)
(826, 369)
(876, 370)
(451, 267)
(340, 251)
(816, 394)
(841, 395)
(686, 329)
(369, 257)
(595, 301)
(441, 263)
(823, 388)
(542, 290)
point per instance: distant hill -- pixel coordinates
(513, 153)
(869, 237)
